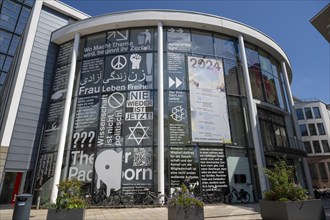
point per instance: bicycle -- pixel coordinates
(152, 199)
(138, 196)
(213, 196)
(325, 193)
(241, 195)
(116, 199)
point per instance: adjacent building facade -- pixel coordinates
(314, 123)
(149, 98)
(26, 87)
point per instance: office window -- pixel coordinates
(308, 113)
(313, 172)
(312, 129)
(300, 114)
(323, 172)
(317, 113)
(308, 147)
(320, 127)
(325, 145)
(317, 147)
(303, 130)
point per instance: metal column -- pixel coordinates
(253, 117)
(65, 121)
(161, 187)
(296, 127)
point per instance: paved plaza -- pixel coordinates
(212, 212)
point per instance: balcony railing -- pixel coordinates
(284, 144)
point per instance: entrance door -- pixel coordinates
(10, 188)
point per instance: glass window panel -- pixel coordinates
(285, 98)
(323, 172)
(202, 42)
(2, 60)
(313, 171)
(300, 114)
(321, 128)
(237, 124)
(7, 64)
(325, 145)
(225, 47)
(270, 88)
(317, 113)
(308, 147)
(256, 83)
(252, 57)
(117, 41)
(303, 130)
(2, 78)
(94, 46)
(265, 62)
(278, 86)
(13, 45)
(312, 129)
(317, 147)
(11, 6)
(5, 38)
(231, 75)
(29, 2)
(142, 40)
(178, 39)
(308, 113)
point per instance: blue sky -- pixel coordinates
(286, 22)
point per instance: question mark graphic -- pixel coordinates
(91, 136)
(76, 137)
(83, 136)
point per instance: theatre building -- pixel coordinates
(146, 99)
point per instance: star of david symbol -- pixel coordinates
(139, 129)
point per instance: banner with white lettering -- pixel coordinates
(139, 118)
(209, 115)
(112, 112)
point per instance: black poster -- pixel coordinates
(178, 39)
(91, 76)
(177, 118)
(141, 71)
(60, 83)
(213, 168)
(81, 164)
(115, 74)
(137, 168)
(183, 165)
(111, 122)
(117, 42)
(176, 71)
(65, 54)
(46, 168)
(139, 118)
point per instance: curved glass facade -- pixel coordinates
(112, 136)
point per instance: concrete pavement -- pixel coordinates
(214, 212)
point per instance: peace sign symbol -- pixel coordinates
(118, 62)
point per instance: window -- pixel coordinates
(312, 129)
(320, 127)
(323, 172)
(303, 130)
(308, 147)
(317, 113)
(300, 114)
(325, 145)
(313, 172)
(224, 47)
(308, 113)
(317, 147)
(202, 42)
